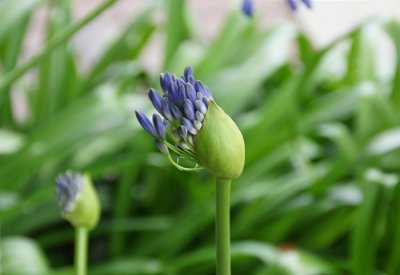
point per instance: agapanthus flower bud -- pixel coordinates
(194, 127)
(219, 146)
(247, 8)
(293, 4)
(78, 199)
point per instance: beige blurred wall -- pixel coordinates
(327, 20)
(333, 18)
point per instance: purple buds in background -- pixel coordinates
(293, 4)
(247, 7)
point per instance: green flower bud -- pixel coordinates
(219, 145)
(78, 199)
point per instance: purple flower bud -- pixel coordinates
(159, 126)
(176, 113)
(199, 96)
(188, 109)
(307, 3)
(162, 147)
(190, 92)
(156, 100)
(182, 107)
(205, 101)
(292, 4)
(67, 189)
(162, 82)
(183, 131)
(165, 81)
(190, 140)
(247, 8)
(166, 94)
(173, 93)
(181, 93)
(199, 86)
(166, 109)
(188, 73)
(146, 123)
(191, 80)
(184, 145)
(188, 124)
(181, 81)
(200, 106)
(199, 116)
(197, 125)
(166, 123)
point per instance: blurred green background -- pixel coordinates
(319, 194)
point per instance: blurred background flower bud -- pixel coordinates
(78, 199)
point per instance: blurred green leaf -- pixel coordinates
(58, 39)
(131, 266)
(361, 57)
(393, 29)
(176, 29)
(370, 221)
(12, 42)
(11, 11)
(88, 117)
(10, 141)
(57, 74)
(392, 265)
(21, 255)
(127, 46)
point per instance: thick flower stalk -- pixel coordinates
(79, 205)
(192, 126)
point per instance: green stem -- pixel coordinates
(57, 40)
(81, 249)
(222, 220)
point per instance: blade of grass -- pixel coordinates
(57, 40)
(12, 48)
(11, 12)
(65, 133)
(393, 261)
(176, 28)
(361, 57)
(370, 221)
(127, 46)
(123, 204)
(57, 76)
(393, 29)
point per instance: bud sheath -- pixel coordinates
(219, 145)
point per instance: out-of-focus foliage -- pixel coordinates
(319, 193)
(22, 256)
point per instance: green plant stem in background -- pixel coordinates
(57, 40)
(222, 225)
(81, 249)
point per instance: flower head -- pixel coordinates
(194, 127)
(293, 4)
(247, 8)
(77, 199)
